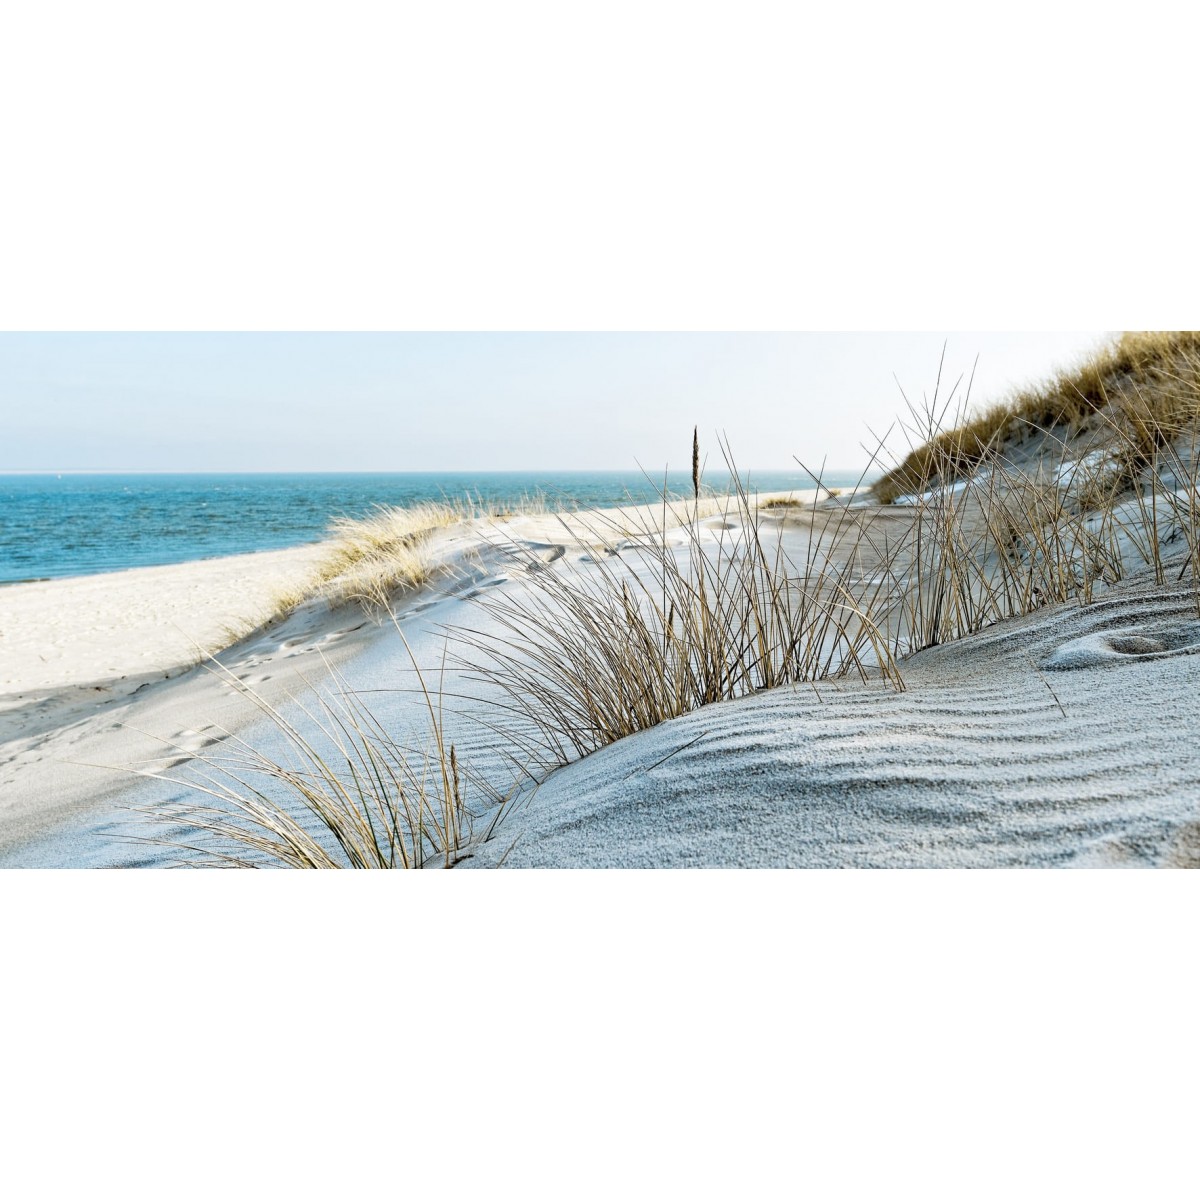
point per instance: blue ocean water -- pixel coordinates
(53, 526)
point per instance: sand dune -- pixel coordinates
(1064, 738)
(1060, 738)
(100, 674)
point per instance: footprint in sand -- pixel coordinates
(1110, 647)
(481, 585)
(185, 746)
(544, 556)
(193, 740)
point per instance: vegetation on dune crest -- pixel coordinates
(661, 625)
(369, 559)
(1139, 393)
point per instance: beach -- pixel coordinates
(83, 659)
(1047, 740)
(109, 675)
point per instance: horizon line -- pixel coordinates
(59, 471)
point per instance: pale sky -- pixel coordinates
(478, 401)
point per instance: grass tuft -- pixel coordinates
(671, 617)
(1144, 385)
(665, 624)
(370, 559)
(347, 794)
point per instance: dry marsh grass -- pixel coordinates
(659, 627)
(772, 503)
(680, 610)
(369, 559)
(372, 558)
(1154, 363)
(994, 537)
(345, 795)
(1140, 388)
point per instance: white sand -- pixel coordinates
(975, 764)
(100, 671)
(1061, 738)
(103, 632)
(80, 656)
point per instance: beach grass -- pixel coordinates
(1141, 387)
(369, 559)
(373, 559)
(346, 795)
(702, 602)
(653, 632)
(658, 626)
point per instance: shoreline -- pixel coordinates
(106, 668)
(104, 524)
(157, 566)
(65, 641)
(998, 750)
(97, 627)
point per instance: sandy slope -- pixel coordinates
(1066, 737)
(100, 678)
(1059, 739)
(97, 669)
(66, 644)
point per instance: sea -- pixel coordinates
(53, 526)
